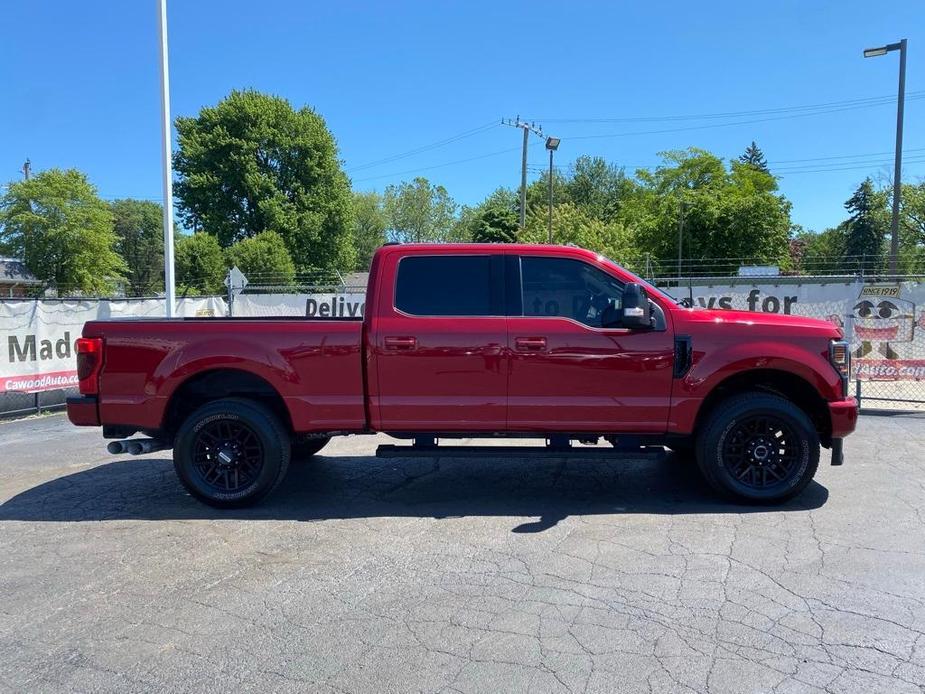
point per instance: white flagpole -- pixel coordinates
(167, 165)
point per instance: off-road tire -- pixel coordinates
(746, 425)
(246, 432)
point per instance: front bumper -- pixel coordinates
(83, 411)
(844, 417)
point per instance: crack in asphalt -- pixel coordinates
(452, 575)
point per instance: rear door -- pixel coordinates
(440, 345)
(570, 374)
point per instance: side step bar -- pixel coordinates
(393, 451)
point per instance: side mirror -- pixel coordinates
(636, 312)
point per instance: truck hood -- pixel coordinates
(753, 322)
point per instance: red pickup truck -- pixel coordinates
(467, 340)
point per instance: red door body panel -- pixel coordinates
(587, 379)
(433, 373)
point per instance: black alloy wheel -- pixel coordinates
(758, 448)
(227, 455)
(761, 451)
(231, 452)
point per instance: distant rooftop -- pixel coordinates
(14, 272)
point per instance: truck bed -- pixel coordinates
(316, 366)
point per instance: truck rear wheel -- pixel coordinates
(758, 448)
(231, 453)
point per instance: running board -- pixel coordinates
(393, 451)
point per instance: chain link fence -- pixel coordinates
(882, 316)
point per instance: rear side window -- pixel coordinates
(444, 285)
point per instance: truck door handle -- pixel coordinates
(398, 343)
(530, 344)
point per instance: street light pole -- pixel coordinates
(680, 237)
(552, 144)
(167, 166)
(898, 163)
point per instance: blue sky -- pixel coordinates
(80, 85)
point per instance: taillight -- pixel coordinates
(840, 356)
(89, 363)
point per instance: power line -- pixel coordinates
(865, 101)
(841, 106)
(424, 148)
(438, 166)
(708, 126)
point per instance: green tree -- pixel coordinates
(865, 228)
(754, 157)
(139, 227)
(495, 224)
(912, 229)
(598, 188)
(252, 163)
(538, 193)
(464, 228)
(570, 225)
(420, 212)
(729, 214)
(263, 259)
(370, 226)
(823, 252)
(63, 231)
(912, 209)
(200, 265)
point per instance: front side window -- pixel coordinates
(568, 288)
(444, 285)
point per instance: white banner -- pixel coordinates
(346, 305)
(39, 336)
(885, 322)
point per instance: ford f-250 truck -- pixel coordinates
(550, 342)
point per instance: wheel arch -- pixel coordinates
(215, 384)
(786, 384)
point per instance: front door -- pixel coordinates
(440, 350)
(570, 374)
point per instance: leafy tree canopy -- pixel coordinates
(598, 188)
(570, 225)
(252, 163)
(139, 227)
(63, 231)
(866, 227)
(263, 259)
(200, 265)
(732, 214)
(370, 227)
(495, 224)
(418, 212)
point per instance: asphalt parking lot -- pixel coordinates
(466, 575)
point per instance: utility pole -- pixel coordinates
(27, 169)
(527, 128)
(167, 165)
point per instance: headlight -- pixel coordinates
(840, 357)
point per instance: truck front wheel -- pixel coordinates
(758, 448)
(231, 453)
